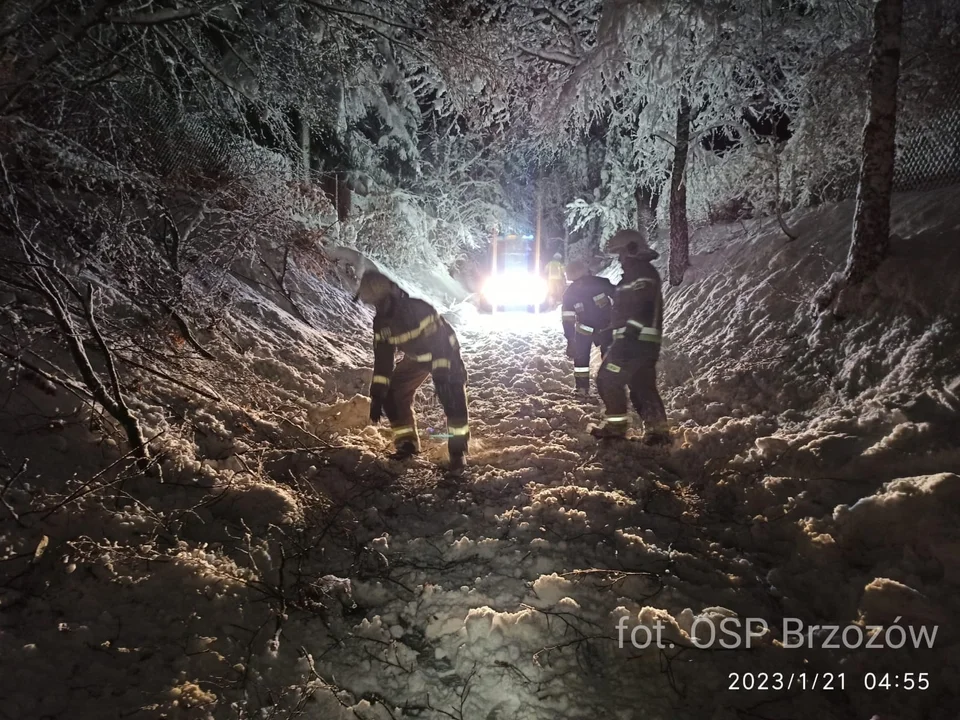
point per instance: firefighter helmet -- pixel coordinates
(632, 243)
(576, 269)
(557, 256)
(375, 288)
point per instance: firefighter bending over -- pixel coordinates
(556, 280)
(586, 320)
(632, 359)
(430, 347)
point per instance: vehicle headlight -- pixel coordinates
(514, 289)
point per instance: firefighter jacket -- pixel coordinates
(555, 271)
(414, 327)
(586, 306)
(638, 303)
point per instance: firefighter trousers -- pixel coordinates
(449, 383)
(632, 365)
(582, 345)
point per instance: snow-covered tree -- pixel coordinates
(871, 224)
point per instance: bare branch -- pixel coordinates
(156, 18)
(554, 56)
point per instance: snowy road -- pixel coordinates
(284, 568)
(500, 598)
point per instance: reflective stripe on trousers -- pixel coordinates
(402, 431)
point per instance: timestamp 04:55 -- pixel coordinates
(826, 681)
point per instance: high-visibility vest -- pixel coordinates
(554, 270)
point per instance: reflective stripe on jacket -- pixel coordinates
(638, 304)
(413, 326)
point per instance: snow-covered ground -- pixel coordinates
(283, 568)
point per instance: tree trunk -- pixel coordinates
(871, 224)
(304, 146)
(679, 231)
(647, 199)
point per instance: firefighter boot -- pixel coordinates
(582, 387)
(458, 464)
(610, 431)
(457, 448)
(657, 438)
(405, 449)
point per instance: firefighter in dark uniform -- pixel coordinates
(430, 347)
(637, 332)
(586, 320)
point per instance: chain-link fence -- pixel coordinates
(175, 141)
(928, 149)
(157, 135)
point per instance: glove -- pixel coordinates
(569, 350)
(377, 396)
(376, 409)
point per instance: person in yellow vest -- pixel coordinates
(429, 347)
(556, 280)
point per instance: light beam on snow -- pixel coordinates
(516, 322)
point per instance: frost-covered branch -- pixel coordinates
(554, 56)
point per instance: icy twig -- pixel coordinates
(170, 378)
(85, 488)
(187, 333)
(6, 486)
(617, 577)
(81, 392)
(123, 414)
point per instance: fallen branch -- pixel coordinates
(170, 378)
(187, 334)
(70, 385)
(122, 411)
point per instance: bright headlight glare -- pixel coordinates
(513, 289)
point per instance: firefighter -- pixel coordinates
(556, 280)
(430, 347)
(631, 361)
(586, 320)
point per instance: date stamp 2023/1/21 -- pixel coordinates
(826, 681)
(734, 633)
